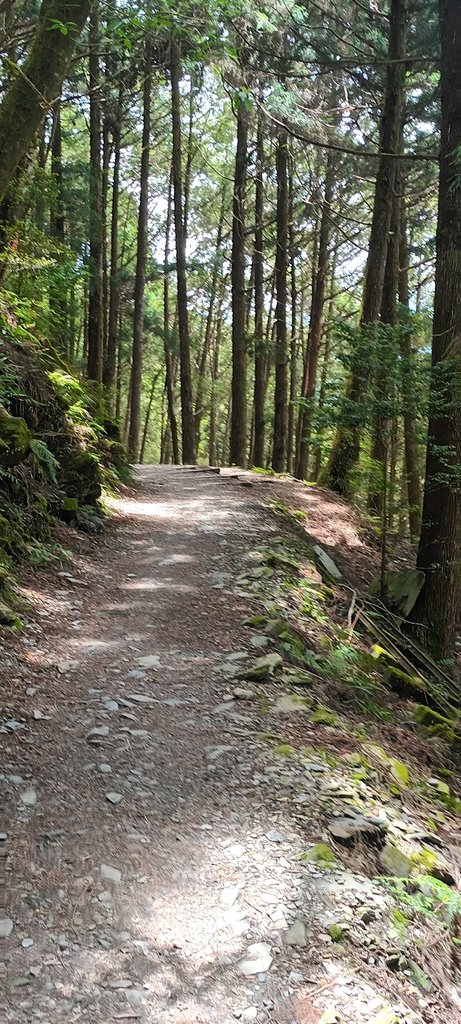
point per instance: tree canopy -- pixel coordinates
(224, 217)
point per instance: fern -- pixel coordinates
(8, 475)
(46, 458)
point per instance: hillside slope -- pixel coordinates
(57, 451)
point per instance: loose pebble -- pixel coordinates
(28, 797)
(6, 927)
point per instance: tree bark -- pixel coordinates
(225, 447)
(141, 257)
(42, 155)
(57, 217)
(259, 393)
(315, 327)
(385, 386)
(119, 372)
(238, 412)
(39, 81)
(95, 310)
(114, 283)
(189, 155)
(147, 416)
(217, 270)
(412, 470)
(187, 411)
(169, 376)
(294, 327)
(106, 155)
(279, 449)
(75, 324)
(438, 607)
(317, 461)
(58, 298)
(346, 446)
(317, 202)
(214, 369)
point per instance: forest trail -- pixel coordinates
(151, 831)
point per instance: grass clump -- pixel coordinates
(284, 750)
(320, 854)
(324, 716)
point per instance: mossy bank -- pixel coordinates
(58, 451)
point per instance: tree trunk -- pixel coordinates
(73, 333)
(390, 487)
(384, 385)
(412, 471)
(187, 412)
(147, 416)
(106, 155)
(189, 441)
(114, 283)
(217, 270)
(42, 155)
(325, 363)
(58, 298)
(212, 449)
(321, 402)
(85, 322)
(38, 82)
(214, 369)
(225, 447)
(119, 372)
(57, 218)
(315, 327)
(169, 381)
(346, 446)
(438, 607)
(317, 204)
(95, 310)
(141, 257)
(279, 450)
(126, 425)
(259, 394)
(189, 155)
(294, 332)
(238, 424)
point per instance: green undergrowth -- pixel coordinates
(293, 515)
(305, 618)
(300, 615)
(345, 748)
(59, 451)
(344, 686)
(423, 896)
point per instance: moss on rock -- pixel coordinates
(394, 862)
(434, 723)
(80, 476)
(15, 438)
(8, 617)
(323, 716)
(320, 854)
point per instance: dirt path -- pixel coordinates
(153, 863)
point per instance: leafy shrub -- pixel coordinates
(46, 459)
